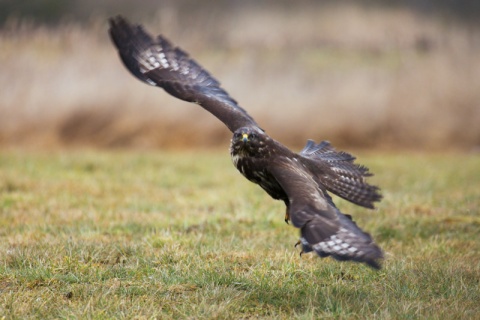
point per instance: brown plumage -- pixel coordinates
(301, 180)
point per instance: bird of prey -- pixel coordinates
(301, 180)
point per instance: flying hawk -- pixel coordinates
(300, 180)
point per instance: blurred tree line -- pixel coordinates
(55, 11)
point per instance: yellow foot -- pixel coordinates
(287, 217)
(296, 244)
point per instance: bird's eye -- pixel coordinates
(253, 136)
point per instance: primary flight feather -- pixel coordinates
(300, 180)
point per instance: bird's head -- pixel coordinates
(248, 141)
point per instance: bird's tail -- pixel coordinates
(339, 174)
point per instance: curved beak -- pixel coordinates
(245, 137)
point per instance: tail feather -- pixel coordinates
(339, 174)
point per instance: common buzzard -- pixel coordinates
(300, 180)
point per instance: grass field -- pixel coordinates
(181, 234)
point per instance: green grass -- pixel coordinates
(183, 235)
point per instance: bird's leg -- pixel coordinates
(296, 244)
(287, 216)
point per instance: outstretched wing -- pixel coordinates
(157, 62)
(337, 171)
(324, 228)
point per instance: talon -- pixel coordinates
(287, 217)
(296, 244)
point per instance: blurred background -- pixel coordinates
(363, 74)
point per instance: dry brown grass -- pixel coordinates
(351, 75)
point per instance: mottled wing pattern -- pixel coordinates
(157, 62)
(337, 171)
(324, 228)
